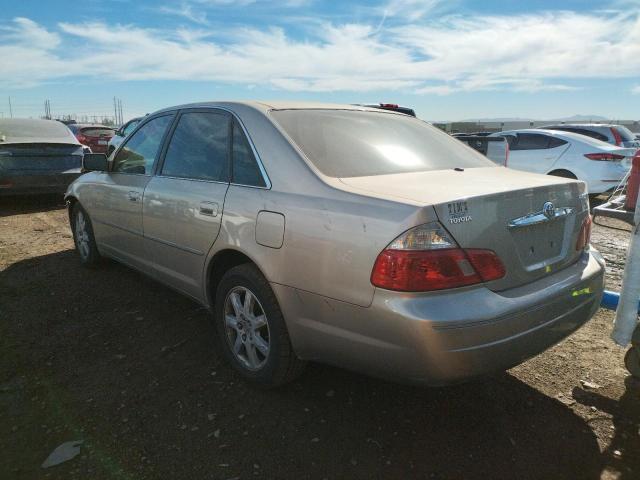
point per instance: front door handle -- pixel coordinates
(133, 196)
(209, 209)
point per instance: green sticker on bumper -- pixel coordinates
(584, 291)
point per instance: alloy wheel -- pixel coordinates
(247, 328)
(82, 235)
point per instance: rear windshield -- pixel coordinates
(351, 143)
(625, 133)
(97, 132)
(37, 129)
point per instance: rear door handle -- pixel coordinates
(209, 209)
(133, 196)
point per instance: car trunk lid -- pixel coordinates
(498, 209)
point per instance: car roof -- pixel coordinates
(266, 106)
(28, 130)
(578, 125)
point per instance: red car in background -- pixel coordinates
(94, 136)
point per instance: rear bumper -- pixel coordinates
(37, 184)
(445, 337)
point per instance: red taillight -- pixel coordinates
(426, 270)
(81, 138)
(486, 263)
(585, 234)
(616, 136)
(604, 157)
(389, 105)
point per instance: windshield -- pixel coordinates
(352, 143)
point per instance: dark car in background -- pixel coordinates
(37, 156)
(95, 137)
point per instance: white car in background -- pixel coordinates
(600, 165)
(618, 135)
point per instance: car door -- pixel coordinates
(535, 152)
(116, 209)
(183, 203)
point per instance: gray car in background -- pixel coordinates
(353, 236)
(614, 134)
(37, 156)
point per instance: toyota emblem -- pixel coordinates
(549, 210)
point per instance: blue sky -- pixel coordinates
(449, 59)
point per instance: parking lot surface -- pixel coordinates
(129, 367)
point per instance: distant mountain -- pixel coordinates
(582, 118)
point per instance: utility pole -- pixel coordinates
(47, 109)
(10, 109)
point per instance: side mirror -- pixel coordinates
(94, 162)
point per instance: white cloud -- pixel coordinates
(527, 53)
(636, 90)
(186, 10)
(411, 9)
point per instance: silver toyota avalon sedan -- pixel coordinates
(357, 237)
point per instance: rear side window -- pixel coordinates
(199, 147)
(531, 141)
(556, 142)
(352, 143)
(245, 167)
(141, 150)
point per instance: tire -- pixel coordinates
(563, 174)
(83, 237)
(632, 361)
(251, 329)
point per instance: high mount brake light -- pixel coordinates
(426, 258)
(604, 157)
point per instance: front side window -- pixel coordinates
(531, 141)
(353, 143)
(141, 150)
(245, 167)
(199, 148)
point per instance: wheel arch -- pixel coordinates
(563, 172)
(70, 200)
(219, 264)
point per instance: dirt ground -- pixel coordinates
(127, 366)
